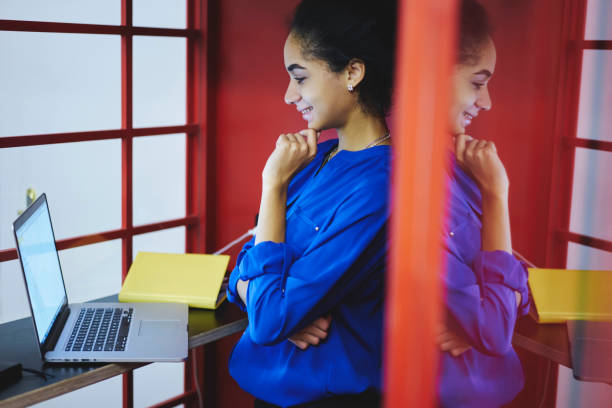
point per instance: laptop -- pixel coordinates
(89, 332)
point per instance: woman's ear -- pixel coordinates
(355, 72)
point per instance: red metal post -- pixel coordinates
(126, 167)
(426, 50)
(568, 97)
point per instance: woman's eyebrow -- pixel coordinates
(484, 72)
(291, 67)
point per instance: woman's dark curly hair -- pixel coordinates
(474, 29)
(337, 31)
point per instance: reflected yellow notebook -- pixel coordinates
(194, 279)
(564, 294)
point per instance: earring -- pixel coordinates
(350, 88)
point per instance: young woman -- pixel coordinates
(486, 287)
(320, 245)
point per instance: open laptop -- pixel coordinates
(85, 332)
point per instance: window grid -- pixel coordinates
(196, 197)
(567, 122)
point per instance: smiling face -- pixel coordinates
(320, 95)
(470, 93)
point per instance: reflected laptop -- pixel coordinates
(85, 332)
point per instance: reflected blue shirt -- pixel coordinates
(481, 303)
(332, 261)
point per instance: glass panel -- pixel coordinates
(584, 257)
(158, 382)
(82, 182)
(64, 11)
(55, 83)
(159, 81)
(171, 241)
(92, 271)
(13, 301)
(592, 194)
(572, 393)
(160, 13)
(107, 393)
(598, 20)
(159, 178)
(594, 121)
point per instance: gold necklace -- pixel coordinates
(335, 150)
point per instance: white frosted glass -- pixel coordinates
(64, 11)
(584, 257)
(574, 394)
(92, 271)
(55, 83)
(598, 20)
(82, 182)
(158, 382)
(13, 302)
(105, 394)
(169, 240)
(591, 211)
(159, 178)
(160, 13)
(159, 81)
(594, 119)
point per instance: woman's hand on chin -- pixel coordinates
(480, 159)
(293, 151)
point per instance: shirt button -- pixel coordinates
(316, 228)
(452, 234)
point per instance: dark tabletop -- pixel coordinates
(18, 344)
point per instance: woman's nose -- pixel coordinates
(484, 99)
(291, 95)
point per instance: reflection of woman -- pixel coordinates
(320, 244)
(486, 286)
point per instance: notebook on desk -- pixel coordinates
(193, 279)
(85, 332)
(560, 295)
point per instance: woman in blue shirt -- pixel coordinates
(320, 245)
(486, 287)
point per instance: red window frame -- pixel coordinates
(194, 221)
(566, 130)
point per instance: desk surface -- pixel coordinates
(17, 343)
(546, 340)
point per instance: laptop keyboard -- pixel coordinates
(100, 329)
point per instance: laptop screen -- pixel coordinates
(41, 268)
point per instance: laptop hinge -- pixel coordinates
(56, 330)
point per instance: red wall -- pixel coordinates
(247, 82)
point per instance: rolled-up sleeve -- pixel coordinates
(288, 289)
(486, 309)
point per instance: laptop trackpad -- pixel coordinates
(157, 327)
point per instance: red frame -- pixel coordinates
(196, 151)
(566, 129)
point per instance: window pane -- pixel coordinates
(54, 83)
(598, 20)
(171, 241)
(584, 257)
(158, 382)
(92, 271)
(107, 393)
(594, 119)
(159, 178)
(160, 13)
(64, 11)
(159, 81)
(592, 194)
(82, 182)
(13, 302)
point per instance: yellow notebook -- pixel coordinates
(194, 279)
(565, 294)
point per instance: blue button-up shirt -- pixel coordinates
(332, 261)
(481, 302)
